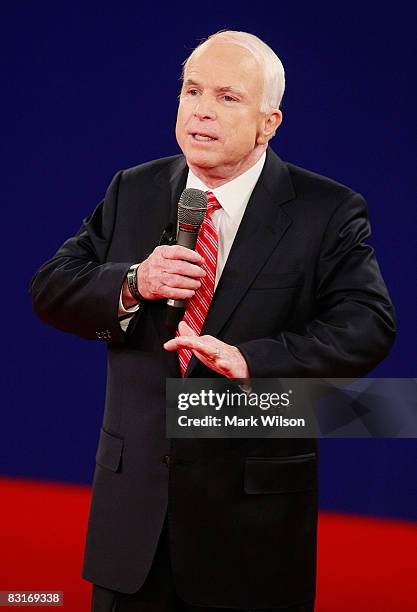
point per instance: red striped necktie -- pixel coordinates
(198, 306)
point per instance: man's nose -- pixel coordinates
(204, 108)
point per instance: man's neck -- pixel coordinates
(216, 177)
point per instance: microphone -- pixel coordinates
(192, 208)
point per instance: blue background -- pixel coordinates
(91, 88)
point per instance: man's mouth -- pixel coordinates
(202, 137)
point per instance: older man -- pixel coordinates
(289, 288)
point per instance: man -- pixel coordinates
(294, 291)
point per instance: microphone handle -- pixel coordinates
(187, 239)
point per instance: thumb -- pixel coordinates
(185, 330)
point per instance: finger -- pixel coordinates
(171, 345)
(181, 282)
(214, 364)
(181, 342)
(175, 293)
(185, 330)
(184, 268)
(180, 252)
(195, 343)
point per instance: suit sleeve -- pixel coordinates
(354, 326)
(78, 290)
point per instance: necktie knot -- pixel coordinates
(212, 203)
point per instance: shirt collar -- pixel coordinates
(234, 195)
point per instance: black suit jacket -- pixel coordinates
(301, 295)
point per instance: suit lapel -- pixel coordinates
(263, 226)
(170, 183)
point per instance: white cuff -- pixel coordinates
(125, 311)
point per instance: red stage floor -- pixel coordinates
(364, 564)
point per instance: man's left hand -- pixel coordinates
(215, 354)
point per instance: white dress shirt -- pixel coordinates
(233, 198)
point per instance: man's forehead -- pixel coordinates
(222, 66)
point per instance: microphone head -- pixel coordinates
(192, 208)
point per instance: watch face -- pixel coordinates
(132, 283)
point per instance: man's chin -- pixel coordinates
(202, 160)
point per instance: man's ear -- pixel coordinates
(271, 122)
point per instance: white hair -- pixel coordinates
(271, 65)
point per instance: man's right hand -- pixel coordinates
(170, 272)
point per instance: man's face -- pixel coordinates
(219, 123)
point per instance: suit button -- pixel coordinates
(166, 459)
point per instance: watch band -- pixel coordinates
(132, 284)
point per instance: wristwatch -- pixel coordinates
(132, 283)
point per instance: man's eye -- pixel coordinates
(192, 92)
(229, 99)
